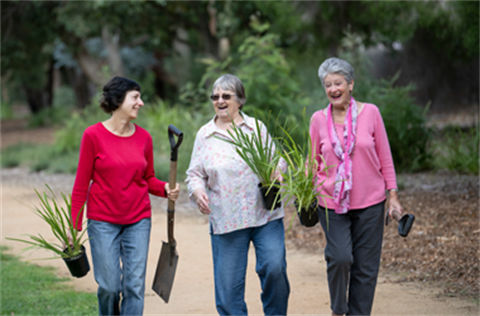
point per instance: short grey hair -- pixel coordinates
(336, 66)
(232, 83)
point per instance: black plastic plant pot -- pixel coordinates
(78, 265)
(269, 198)
(308, 216)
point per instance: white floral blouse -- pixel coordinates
(232, 187)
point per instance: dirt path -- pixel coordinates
(193, 290)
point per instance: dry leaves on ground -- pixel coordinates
(443, 245)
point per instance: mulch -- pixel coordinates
(443, 244)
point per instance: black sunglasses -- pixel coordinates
(226, 97)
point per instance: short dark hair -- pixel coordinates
(114, 93)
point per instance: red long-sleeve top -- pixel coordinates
(115, 175)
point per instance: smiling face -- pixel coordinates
(131, 105)
(226, 110)
(338, 90)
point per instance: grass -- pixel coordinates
(28, 289)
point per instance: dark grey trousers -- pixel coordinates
(353, 250)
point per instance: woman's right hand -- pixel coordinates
(70, 240)
(201, 198)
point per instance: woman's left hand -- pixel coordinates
(277, 176)
(394, 203)
(172, 194)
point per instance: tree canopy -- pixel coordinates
(161, 41)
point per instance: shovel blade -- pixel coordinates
(166, 267)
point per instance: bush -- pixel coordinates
(156, 120)
(63, 104)
(268, 78)
(405, 122)
(69, 137)
(458, 150)
(6, 111)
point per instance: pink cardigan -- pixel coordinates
(372, 164)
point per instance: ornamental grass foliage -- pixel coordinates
(257, 150)
(61, 223)
(300, 179)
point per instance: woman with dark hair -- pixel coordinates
(114, 177)
(222, 186)
(351, 136)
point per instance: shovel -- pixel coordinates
(167, 263)
(405, 222)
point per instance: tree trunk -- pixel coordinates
(111, 43)
(35, 98)
(164, 83)
(39, 99)
(81, 86)
(208, 30)
(91, 66)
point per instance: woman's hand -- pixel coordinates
(201, 198)
(394, 203)
(277, 176)
(70, 240)
(172, 194)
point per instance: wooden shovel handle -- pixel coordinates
(172, 130)
(171, 204)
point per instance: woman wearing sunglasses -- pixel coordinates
(351, 136)
(222, 186)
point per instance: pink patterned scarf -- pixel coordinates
(343, 179)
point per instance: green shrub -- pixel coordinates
(458, 150)
(34, 156)
(6, 111)
(63, 105)
(156, 119)
(64, 97)
(268, 77)
(405, 122)
(69, 137)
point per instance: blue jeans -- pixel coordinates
(230, 255)
(119, 256)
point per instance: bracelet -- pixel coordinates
(393, 190)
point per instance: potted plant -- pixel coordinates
(59, 219)
(260, 155)
(300, 180)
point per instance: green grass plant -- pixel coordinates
(60, 221)
(28, 289)
(256, 150)
(300, 178)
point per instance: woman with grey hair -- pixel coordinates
(351, 136)
(222, 186)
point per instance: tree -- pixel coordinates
(28, 33)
